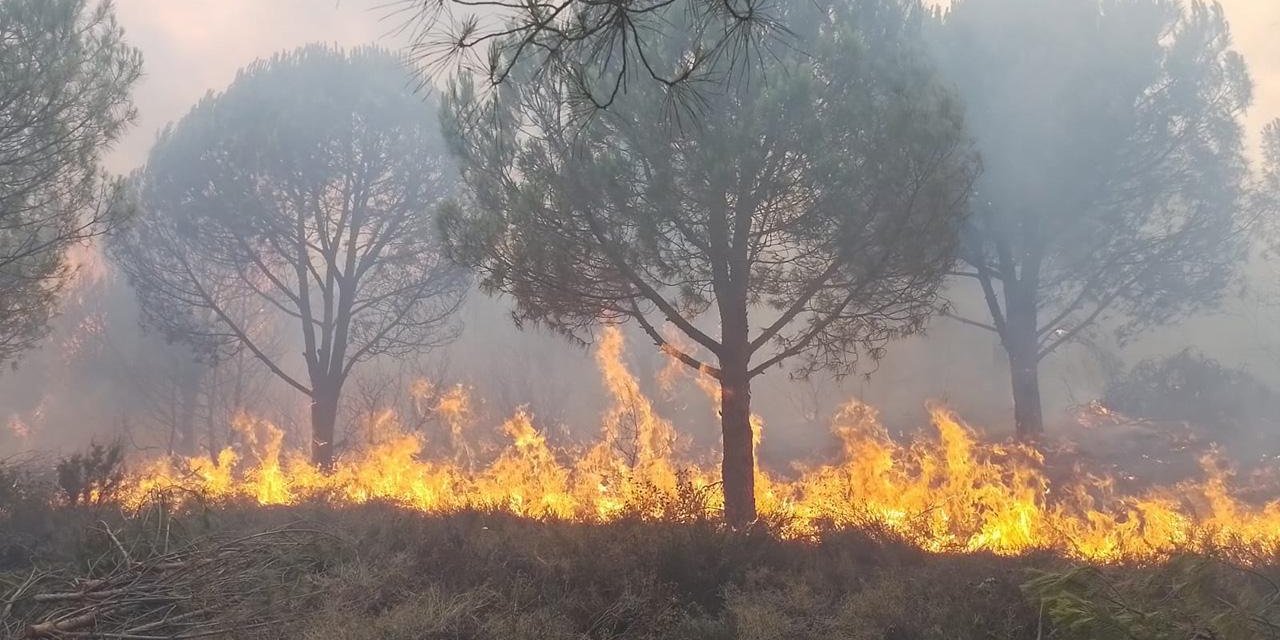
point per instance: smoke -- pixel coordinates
(99, 375)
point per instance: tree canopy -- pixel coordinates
(1113, 167)
(65, 77)
(599, 48)
(306, 189)
(811, 215)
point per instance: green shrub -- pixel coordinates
(92, 477)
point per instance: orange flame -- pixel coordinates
(951, 492)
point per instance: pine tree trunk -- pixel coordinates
(1024, 369)
(324, 417)
(188, 395)
(738, 467)
(211, 426)
(1027, 415)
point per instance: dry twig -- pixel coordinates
(202, 590)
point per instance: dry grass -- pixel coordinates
(378, 571)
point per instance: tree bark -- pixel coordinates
(211, 396)
(188, 381)
(211, 426)
(1024, 368)
(187, 419)
(1028, 417)
(324, 417)
(738, 466)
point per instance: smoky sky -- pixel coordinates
(194, 46)
(191, 47)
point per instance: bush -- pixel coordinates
(1194, 597)
(92, 477)
(26, 516)
(15, 489)
(1190, 387)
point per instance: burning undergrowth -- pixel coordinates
(314, 570)
(948, 491)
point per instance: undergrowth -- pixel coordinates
(378, 571)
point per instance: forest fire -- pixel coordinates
(948, 492)
(287, 315)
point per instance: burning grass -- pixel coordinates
(946, 492)
(946, 536)
(377, 570)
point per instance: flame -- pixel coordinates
(453, 407)
(946, 492)
(19, 427)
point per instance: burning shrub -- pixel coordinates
(1190, 387)
(94, 476)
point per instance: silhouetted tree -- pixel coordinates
(65, 77)
(1111, 145)
(1268, 207)
(811, 216)
(306, 188)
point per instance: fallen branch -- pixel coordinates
(55, 628)
(147, 592)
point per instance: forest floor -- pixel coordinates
(322, 572)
